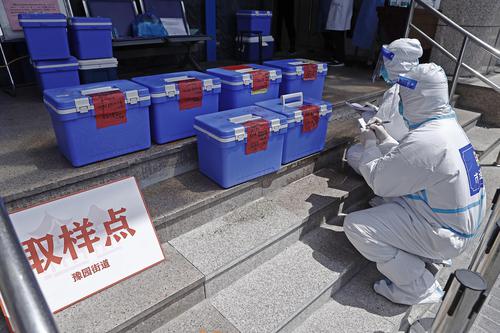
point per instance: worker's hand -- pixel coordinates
(379, 132)
(368, 138)
(374, 120)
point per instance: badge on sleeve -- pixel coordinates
(473, 169)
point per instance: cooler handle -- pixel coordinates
(97, 90)
(243, 119)
(178, 78)
(286, 98)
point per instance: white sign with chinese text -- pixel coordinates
(83, 243)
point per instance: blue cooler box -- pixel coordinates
(98, 70)
(238, 86)
(294, 80)
(222, 141)
(56, 73)
(171, 121)
(254, 20)
(249, 47)
(46, 35)
(299, 143)
(75, 122)
(91, 37)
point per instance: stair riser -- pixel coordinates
(491, 148)
(172, 226)
(148, 172)
(265, 252)
(470, 125)
(298, 318)
(162, 313)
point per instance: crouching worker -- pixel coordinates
(437, 194)
(398, 57)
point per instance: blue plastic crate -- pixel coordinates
(46, 35)
(249, 47)
(170, 120)
(254, 20)
(238, 85)
(56, 73)
(98, 70)
(294, 79)
(91, 37)
(222, 143)
(299, 142)
(75, 123)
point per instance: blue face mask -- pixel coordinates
(385, 76)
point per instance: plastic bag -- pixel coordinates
(148, 25)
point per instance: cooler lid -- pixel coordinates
(241, 74)
(251, 12)
(90, 21)
(34, 18)
(162, 85)
(50, 64)
(294, 66)
(97, 63)
(77, 98)
(227, 126)
(289, 106)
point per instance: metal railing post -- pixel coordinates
(27, 308)
(413, 4)
(460, 59)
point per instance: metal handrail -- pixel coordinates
(27, 309)
(467, 37)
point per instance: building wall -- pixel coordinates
(480, 17)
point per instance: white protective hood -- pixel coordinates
(402, 56)
(424, 93)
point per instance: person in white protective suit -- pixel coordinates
(396, 58)
(437, 193)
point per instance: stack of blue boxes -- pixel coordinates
(249, 119)
(50, 50)
(255, 21)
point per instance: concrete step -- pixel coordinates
(483, 139)
(157, 294)
(356, 308)
(467, 119)
(180, 204)
(281, 293)
(228, 247)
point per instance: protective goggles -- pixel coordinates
(384, 53)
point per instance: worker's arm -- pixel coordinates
(392, 175)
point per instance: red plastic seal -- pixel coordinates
(260, 80)
(190, 94)
(109, 108)
(310, 71)
(257, 135)
(310, 113)
(236, 67)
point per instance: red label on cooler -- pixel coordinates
(260, 80)
(257, 135)
(310, 113)
(109, 108)
(190, 94)
(236, 67)
(310, 71)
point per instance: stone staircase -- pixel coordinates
(263, 256)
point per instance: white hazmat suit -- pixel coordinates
(398, 58)
(437, 193)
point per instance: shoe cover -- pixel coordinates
(395, 294)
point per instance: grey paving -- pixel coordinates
(202, 318)
(356, 308)
(219, 242)
(281, 288)
(130, 301)
(483, 139)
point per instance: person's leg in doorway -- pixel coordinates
(338, 38)
(278, 12)
(289, 12)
